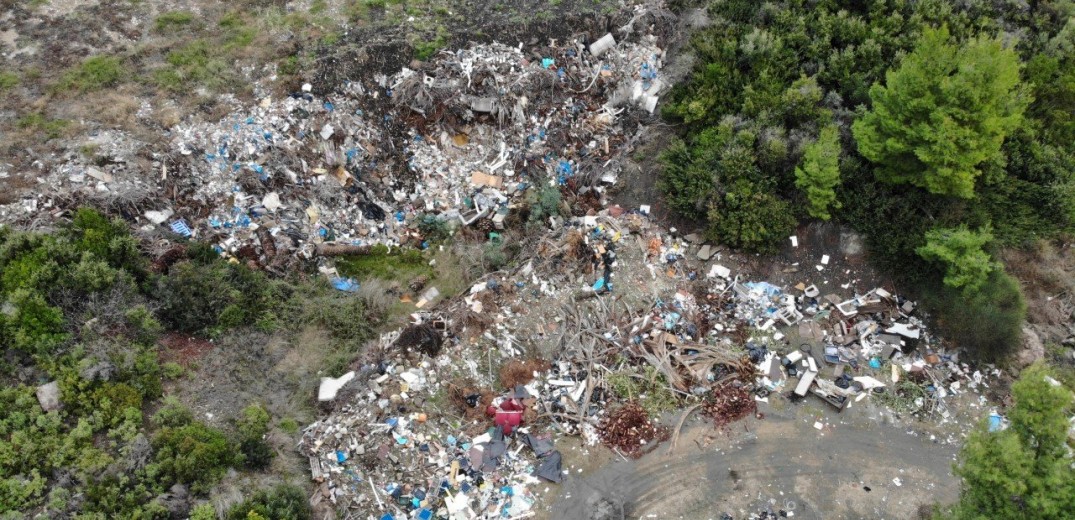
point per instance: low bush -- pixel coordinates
(8, 80)
(173, 20)
(200, 62)
(283, 502)
(173, 414)
(345, 318)
(543, 202)
(95, 73)
(495, 255)
(433, 227)
(399, 264)
(424, 50)
(42, 124)
(648, 387)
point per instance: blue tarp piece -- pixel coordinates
(766, 287)
(995, 422)
(345, 284)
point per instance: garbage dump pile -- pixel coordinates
(460, 139)
(426, 429)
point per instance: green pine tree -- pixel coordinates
(819, 173)
(1024, 471)
(967, 265)
(942, 113)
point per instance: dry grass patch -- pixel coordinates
(1046, 272)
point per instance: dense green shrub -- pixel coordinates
(31, 325)
(749, 217)
(106, 239)
(76, 307)
(717, 177)
(283, 502)
(28, 433)
(213, 297)
(987, 323)
(194, 454)
(1032, 196)
(204, 511)
(111, 402)
(142, 325)
(122, 495)
(29, 261)
(141, 369)
(252, 426)
(687, 183)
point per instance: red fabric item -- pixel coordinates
(512, 405)
(508, 420)
(508, 415)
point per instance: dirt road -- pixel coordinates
(782, 462)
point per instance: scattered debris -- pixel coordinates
(461, 140)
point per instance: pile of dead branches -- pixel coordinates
(630, 431)
(686, 364)
(729, 403)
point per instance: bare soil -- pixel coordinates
(846, 470)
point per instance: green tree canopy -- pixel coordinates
(819, 173)
(967, 265)
(942, 113)
(1024, 471)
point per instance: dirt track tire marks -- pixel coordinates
(776, 463)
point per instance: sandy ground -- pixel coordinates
(782, 462)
